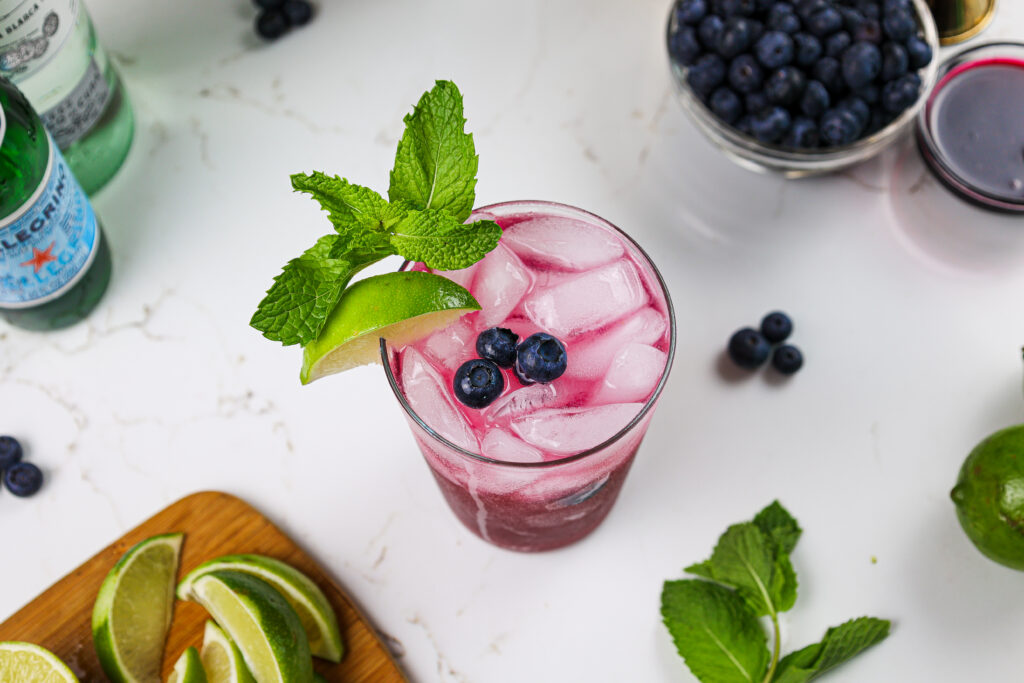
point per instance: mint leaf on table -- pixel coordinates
(441, 241)
(744, 560)
(348, 205)
(436, 163)
(778, 525)
(297, 304)
(840, 644)
(714, 631)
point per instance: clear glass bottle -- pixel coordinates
(54, 261)
(49, 49)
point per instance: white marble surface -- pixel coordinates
(907, 305)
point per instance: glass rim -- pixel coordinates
(641, 414)
(934, 157)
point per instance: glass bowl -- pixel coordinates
(759, 156)
(932, 148)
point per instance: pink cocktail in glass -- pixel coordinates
(541, 466)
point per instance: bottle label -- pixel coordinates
(76, 114)
(48, 244)
(32, 33)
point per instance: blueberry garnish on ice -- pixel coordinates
(478, 382)
(498, 344)
(787, 359)
(748, 348)
(540, 358)
(776, 327)
(23, 479)
(10, 452)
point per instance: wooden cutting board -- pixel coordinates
(214, 524)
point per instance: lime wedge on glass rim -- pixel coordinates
(27, 663)
(400, 307)
(132, 612)
(188, 668)
(261, 622)
(222, 659)
(305, 597)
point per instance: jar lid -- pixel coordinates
(971, 129)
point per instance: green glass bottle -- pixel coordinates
(49, 49)
(54, 261)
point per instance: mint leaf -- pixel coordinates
(361, 247)
(779, 526)
(436, 163)
(745, 560)
(347, 205)
(840, 644)
(715, 632)
(441, 241)
(701, 569)
(297, 304)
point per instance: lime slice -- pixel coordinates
(27, 663)
(308, 601)
(133, 610)
(188, 668)
(401, 307)
(221, 657)
(262, 624)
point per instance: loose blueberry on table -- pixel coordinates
(776, 327)
(748, 348)
(23, 479)
(10, 452)
(787, 359)
(278, 16)
(803, 75)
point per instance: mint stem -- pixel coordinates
(775, 649)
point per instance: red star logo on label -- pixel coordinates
(41, 258)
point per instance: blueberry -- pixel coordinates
(478, 382)
(498, 345)
(726, 104)
(756, 102)
(745, 125)
(893, 5)
(268, 4)
(862, 62)
(298, 12)
(776, 327)
(23, 479)
(683, 45)
(869, 93)
(919, 52)
(895, 61)
(787, 359)
(808, 49)
(805, 8)
(785, 86)
(10, 452)
(825, 22)
(815, 99)
(782, 18)
(691, 11)
(769, 125)
(272, 24)
(852, 19)
(709, 29)
(869, 8)
(774, 49)
(736, 37)
(836, 44)
(733, 8)
(839, 127)
(745, 74)
(859, 108)
(706, 75)
(900, 94)
(899, 25)
(803, 134)
(830, 73)
(541, 358)
(869, 31)
(748, 348)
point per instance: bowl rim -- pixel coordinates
(778, 157)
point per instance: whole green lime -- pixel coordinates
(989, 497)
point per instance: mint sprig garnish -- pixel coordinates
(715, 623)
(431, 193)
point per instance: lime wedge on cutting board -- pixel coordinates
(27, 663)
(400, 307)
(261, 622)
(221, 657)
(133, 610)
(188, 668)
(308, 601)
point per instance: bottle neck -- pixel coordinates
(24, 150)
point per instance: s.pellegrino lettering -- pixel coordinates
(54, 260)
(48, 48)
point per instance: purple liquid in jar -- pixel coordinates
(976, 117)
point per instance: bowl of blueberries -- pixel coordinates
(802, 87)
